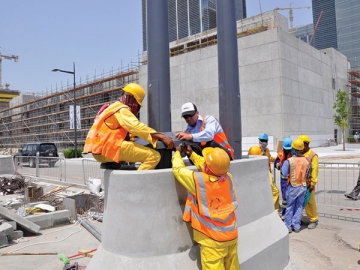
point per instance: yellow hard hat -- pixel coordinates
(304, 138)
(136, 90)
(298, 144)
(255, 150)
(217, 160)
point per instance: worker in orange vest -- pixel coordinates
(298, 170)
(108, 139)
(210, 206)
(206, 130)
(283, 155)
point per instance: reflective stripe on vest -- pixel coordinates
(219, 137)
(103, 140)
(211, 214)
(298, 169)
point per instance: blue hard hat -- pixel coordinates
(286, 144)
(263, 136)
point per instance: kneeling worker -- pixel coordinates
(213, 220)
(107, 138)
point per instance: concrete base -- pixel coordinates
(143, 226)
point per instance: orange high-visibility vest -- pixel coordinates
(211, 211)
(298, 169)
(103, 140)
(220, 138)
(282, 157)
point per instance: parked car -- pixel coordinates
(29, 152)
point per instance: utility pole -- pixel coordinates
(9, 57)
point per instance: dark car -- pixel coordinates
(29, 152)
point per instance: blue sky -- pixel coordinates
(97, 35)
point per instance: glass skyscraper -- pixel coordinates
(189, 17)
(339, 27)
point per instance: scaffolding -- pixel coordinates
(45, 118)
(354, 84)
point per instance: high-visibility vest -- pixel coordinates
(212, 210)
(220, 138)
(283, 157)
(103, 140)
(298, 169)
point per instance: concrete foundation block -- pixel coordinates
(51, 219)
(3, 239)
(17, 234)
(6, 228)
(23, 223)
(12, 223)
(154, 201)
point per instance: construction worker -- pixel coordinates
(311, 209)
(108, 141)
(263, 143)
(256, 150)
(355, 192)
(298, 170)
(204, 130)
(283, 155)
(210, 206)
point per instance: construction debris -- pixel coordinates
(13, 184)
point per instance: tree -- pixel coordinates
(343, 112)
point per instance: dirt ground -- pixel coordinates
(333, 244)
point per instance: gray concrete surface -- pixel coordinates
(160, 233)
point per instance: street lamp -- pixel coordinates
(72, 72)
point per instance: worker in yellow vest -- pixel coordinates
(310, 208)
(256, 150)
(108, 139)
(210, 206)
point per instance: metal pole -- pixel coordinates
(75, 114)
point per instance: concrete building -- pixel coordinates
(286, 86)
(187, 18)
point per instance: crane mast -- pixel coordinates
(9, 57)
(291, 16)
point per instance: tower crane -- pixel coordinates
(9, 57)
(291, 17)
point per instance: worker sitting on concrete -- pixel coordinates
(283, 155)
(206, 130)
(213, 220)
(108, 141)
(298, 170)
(255, 150)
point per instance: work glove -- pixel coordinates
(165, 139)
(187, 149)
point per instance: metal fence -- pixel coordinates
(52, 168)
(334, 180)
(91, 169)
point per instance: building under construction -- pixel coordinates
(354, 84)
(46, 118)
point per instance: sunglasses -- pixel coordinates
(188, 116)
(262, 140)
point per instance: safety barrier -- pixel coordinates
(334, 180)
(52, 168)
(91, 168)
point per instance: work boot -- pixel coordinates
(312, 225)
(110, 166)
(297, 230)
(350, 197)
